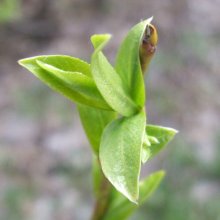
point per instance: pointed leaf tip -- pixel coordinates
(100, 40)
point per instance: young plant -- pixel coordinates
(111, 104)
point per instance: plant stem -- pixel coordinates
(103, 198)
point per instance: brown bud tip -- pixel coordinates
(148, 46)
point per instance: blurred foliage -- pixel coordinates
(8, 10)
(14, 199)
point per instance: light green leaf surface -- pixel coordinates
(128, 63)
(78, 81)
(121, 208)
(120, 153)
(94, 121)
(66, 63)
(100, 40)
(150, 184)
(75, 92)
(108, 81)
(163, 134)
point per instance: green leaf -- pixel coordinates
(65, 63)
(40, 65)
(128, 63)
(94, 121)
(120, 208)
(120, 153)
(78, 81)
(108, 81)
(150, 184)
(100, 40)
(163, 134)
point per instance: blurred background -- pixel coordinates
(45, 160)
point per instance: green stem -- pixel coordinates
(102, 200)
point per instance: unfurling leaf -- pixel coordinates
(145, 153)
(94, 121)
(162, 134)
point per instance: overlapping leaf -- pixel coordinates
(94, 121)
(68, 76)
(120, 153)
(109, 83)
(128, 63)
